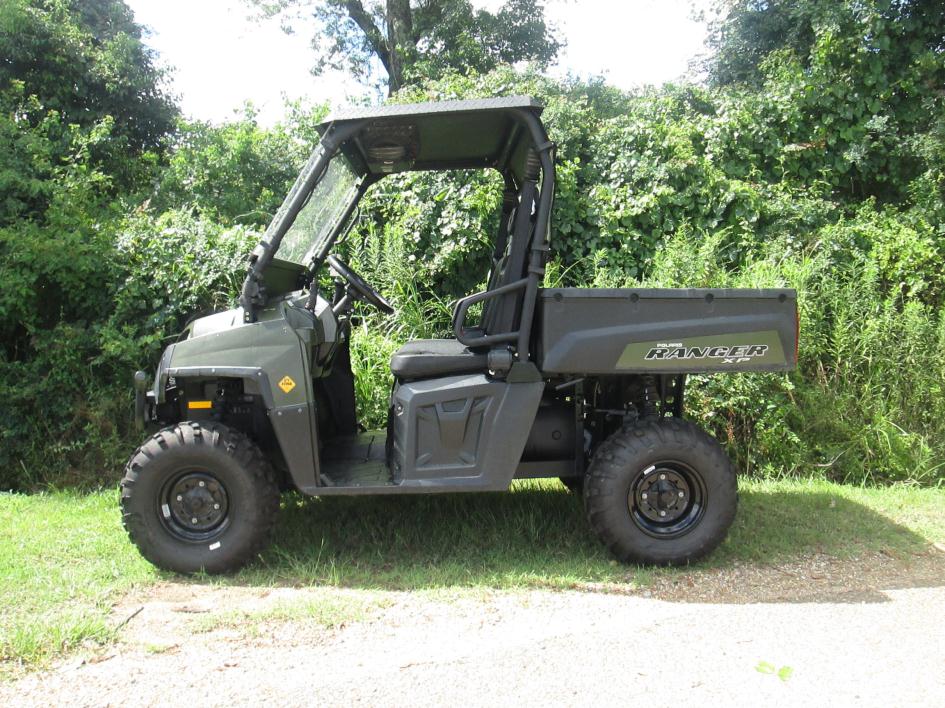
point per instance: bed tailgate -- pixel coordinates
(605, 331)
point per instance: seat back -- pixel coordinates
(499, 261)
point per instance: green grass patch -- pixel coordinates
(152, 648)
(330, 612)
(537, 536)
(779, 520)
(64, 557)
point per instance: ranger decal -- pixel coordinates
(710, 352)
(729, 355)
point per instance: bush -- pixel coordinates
(65, 392)
(238, 172)
(681, 186)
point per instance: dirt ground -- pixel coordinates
(868, 631)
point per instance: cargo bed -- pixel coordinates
(649, 330)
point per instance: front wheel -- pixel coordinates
(199, 496)
(662, 493)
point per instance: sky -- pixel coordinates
(220, 58)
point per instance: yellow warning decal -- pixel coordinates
(199, 405)
(286, 384)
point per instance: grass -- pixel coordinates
(537, 535)
(152, 648)
(330, 611)
(64, 558)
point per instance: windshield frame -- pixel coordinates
(252, 294)
(334, 207)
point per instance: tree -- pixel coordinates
(83, 116)
(746, 32)
(846, 91)
(417, 38)
(85, 60)
(237, 172)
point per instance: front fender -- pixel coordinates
(270, 357)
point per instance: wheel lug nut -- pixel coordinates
(662, 476)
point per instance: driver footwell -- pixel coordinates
(356, 461)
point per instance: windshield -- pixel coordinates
(325, 206)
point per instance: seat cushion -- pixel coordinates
(428, 358)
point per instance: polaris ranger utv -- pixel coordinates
(585, 385)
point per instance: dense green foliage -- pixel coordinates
(236, 173)
(745, 33)
(84, 61)
(820, 165)
(95, 281)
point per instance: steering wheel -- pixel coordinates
(366, 292)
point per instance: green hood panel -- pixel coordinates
(277, 343)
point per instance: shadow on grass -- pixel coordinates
(775, 532)
(536, 536)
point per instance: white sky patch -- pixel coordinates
(221, 59)
(630, 42)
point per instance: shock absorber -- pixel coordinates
(650, 399)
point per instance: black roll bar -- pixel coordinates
(462, 307)
(536, 261)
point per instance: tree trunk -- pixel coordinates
(400, 41)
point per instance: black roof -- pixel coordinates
(475, 133)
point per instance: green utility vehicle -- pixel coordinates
(585, 385)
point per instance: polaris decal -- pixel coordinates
(737, 354)
(743, 351)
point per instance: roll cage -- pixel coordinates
(505, 134)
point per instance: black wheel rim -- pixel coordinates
(194, 506)
(667, 499)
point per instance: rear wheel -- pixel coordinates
(661, 493)
(199, 496)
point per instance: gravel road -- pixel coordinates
(863, 632)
